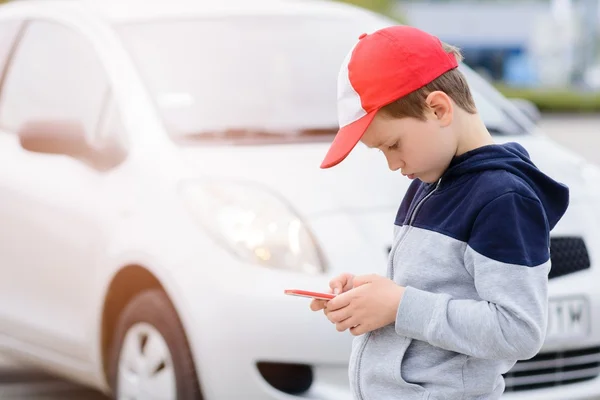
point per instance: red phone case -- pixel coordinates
(307, 293)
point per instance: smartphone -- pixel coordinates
(306, 293)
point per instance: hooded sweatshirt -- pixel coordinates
(473, 252)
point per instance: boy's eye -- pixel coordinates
(393, 147)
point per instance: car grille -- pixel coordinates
(554, 369)
(568, 255)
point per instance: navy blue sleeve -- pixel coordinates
(513, 229)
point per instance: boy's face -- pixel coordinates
(420, 149)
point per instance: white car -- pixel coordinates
(160, 189)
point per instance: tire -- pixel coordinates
(150, 321)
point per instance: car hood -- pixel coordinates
(362, 182)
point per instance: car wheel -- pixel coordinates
(150, 357)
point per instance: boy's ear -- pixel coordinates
(441, 106)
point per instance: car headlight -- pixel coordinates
(254, 224)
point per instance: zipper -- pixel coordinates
(368, 335)
(410, 222)
(414, 213)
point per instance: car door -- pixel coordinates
(52, 206)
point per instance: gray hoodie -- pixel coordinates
(473, 252)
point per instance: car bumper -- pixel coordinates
(244, 320)
(589, 390)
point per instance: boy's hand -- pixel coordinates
(339, 284)
(371, 304)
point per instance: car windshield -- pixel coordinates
(254, 77)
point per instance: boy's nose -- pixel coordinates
(395, 164)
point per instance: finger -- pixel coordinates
(339, 315)
(337, 284)
(349, 284)
(348, 323)
(358, 330)
(340, 301)
(317, 305)
(340, 283)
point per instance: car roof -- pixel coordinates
(124, 11)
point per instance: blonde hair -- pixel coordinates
(453, 83)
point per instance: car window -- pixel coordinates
(260, 73)
(54, 75)
(8, 33)
(258, 76)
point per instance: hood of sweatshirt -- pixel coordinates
(513, 158)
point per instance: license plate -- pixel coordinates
(568, 318)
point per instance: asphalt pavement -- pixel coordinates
(26, 384)
(579, 133)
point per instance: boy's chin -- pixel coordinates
(426, 178)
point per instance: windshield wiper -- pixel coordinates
(258, 134)
(229, 134)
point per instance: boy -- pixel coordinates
(466, 292)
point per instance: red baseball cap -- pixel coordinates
(381, 68)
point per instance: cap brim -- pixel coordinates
(346, 139)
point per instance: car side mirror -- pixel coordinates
(529, 108)
(68, 138)
(54, 137)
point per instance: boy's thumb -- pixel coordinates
(337, 288)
